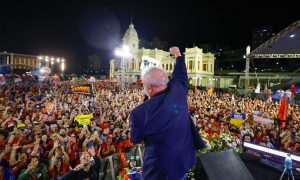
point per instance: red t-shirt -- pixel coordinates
(104, 147)
(3, 142)
(59, 172)
(123, 144)
(74, 152)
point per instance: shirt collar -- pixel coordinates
(159, 93)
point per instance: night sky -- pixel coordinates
(76, 29)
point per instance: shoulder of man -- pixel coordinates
(138, 113)
(139, 108)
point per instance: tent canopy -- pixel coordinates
(285, 44)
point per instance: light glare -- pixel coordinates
(271, 151)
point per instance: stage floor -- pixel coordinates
(261, 171)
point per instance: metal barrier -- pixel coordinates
(110, 165)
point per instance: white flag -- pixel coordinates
(257, 90)
(149, 62)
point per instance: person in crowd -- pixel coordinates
(88, 168)
(108, 148)
(19, 163)
(58, 166)
(35, 170)
(5, 171)
(124, 144)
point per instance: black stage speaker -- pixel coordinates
(224, 165)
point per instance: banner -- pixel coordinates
(87, 89)
(238, 116)
(83, 119)
(262, 120)
(236, 122)
(258, 113)
(237, 119)
(149, 62)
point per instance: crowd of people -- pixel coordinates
(213, 114)
(40, 138)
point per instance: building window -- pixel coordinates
(204, 67)
(133, 64)
(211, 68)
(171, 66)
(167, 67)
(163, 66)
(190, 65)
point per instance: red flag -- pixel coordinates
(293, 90)
(283, 111)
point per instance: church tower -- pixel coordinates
(131, 40)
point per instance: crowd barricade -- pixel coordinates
(104, 170)
(110, 165)
(132, 152)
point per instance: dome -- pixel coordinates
(131, 32)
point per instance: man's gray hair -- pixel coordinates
(155, 76)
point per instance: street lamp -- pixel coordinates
(62, 67)
(123, 53)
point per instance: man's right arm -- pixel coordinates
(180, 72)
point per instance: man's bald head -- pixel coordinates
(155, 79)
(155, 76)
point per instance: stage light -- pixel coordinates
(271, 151)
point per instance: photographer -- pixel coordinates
(88, 168)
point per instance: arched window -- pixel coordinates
(190, 65)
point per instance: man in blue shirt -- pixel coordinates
(163, 123)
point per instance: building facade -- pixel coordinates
(11, 62)
(200, 66)
(14, 63)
